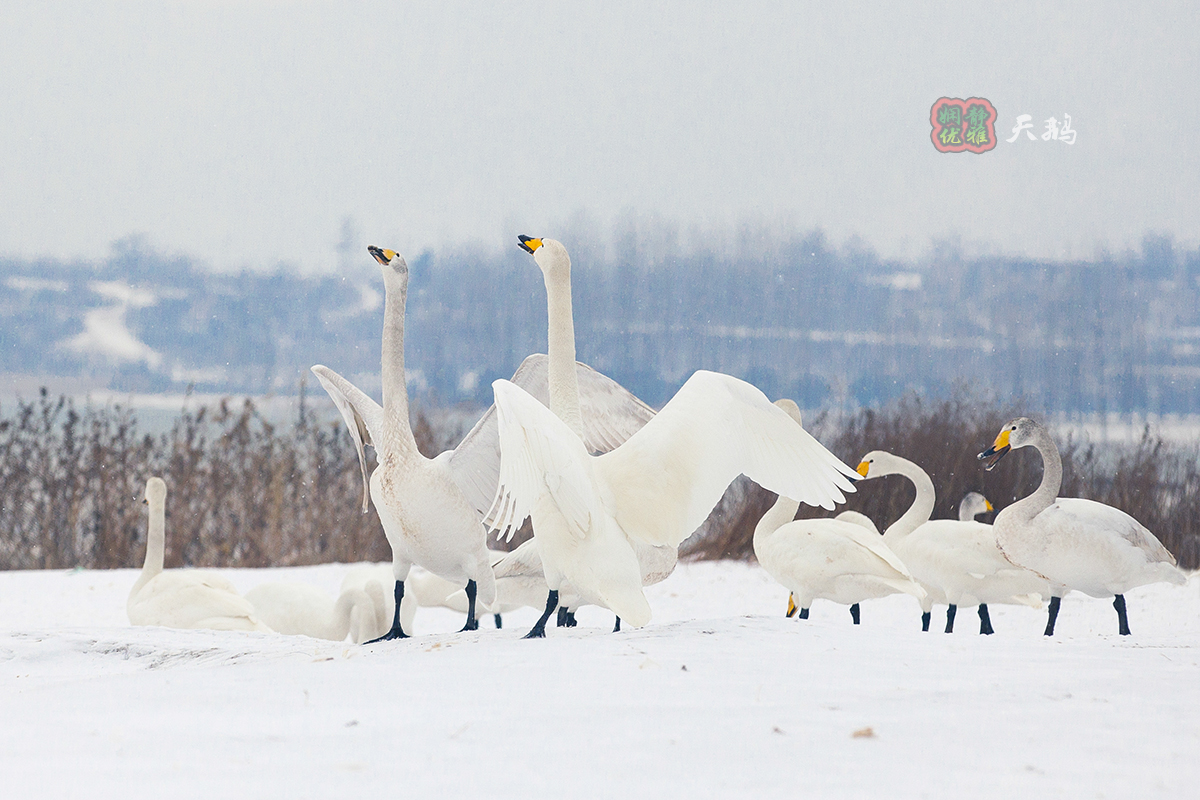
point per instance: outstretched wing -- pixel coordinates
(666, 478)
(361, 413)
(540, 456)
(611, 414)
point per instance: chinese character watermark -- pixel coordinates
(963, 125)
(1062, 133)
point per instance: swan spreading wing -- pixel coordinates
(661, 484)
(360, 412)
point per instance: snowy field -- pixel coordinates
(719, 696)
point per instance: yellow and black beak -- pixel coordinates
(384, 257)
(863, 468)
(999, 449)
(791, 606)
(989, 505)
(529, 244)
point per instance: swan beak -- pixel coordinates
(863, 468)
(991, 457)
(791, 606)
(529, 244)
(384, 257)
(989, 505)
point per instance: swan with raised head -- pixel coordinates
(830, 559)
(957, 562)
(431, 509)
(183, 598)
(657, 487)
(295, 608)
(1076, 544)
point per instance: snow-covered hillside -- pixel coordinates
(719, 696)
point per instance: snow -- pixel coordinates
(719, 696)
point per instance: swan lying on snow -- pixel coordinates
(295, 608)
(956, 562)
(183, 598)
(1075, 543)
(831, 559)
(657, 487)
(431, 508)
(972, 505)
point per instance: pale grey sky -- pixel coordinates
(243, 133)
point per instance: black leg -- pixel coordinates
(472, 622)
(562, 617)
(499, 622)
(1055, 602)
(854, 613)
(1122, 620)
(571, 623)
(925, 619)
(538, 631)
(396, 632)
(985, 620)
(951, 611)
(804, 613)
(617, 627)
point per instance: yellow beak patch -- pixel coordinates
(1001, 440)
(864, 468)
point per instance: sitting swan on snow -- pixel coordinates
(295, 608)
(1075, 543)
(657, 487)
(183, 598)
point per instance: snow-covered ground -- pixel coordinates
(719, 696)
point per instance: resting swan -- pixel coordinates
(183, 598)
(957, 562)
(972, 505)
(431, 508)
(657, 487)
(294, 608)
(831, 559)
(1075, 543)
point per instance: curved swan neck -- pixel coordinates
(343, 610)
(922, 507)
(564, 383)
(778, 515)
(1044, 496)
(395, 389)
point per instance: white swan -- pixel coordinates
(957, 562)
(972, 505)
(295, 608)
(1075, 543)
(657, 487)
(832, 559)
(183, 598)
(858, 518)
(431, 508)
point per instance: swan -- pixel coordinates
(1076, 544)
(957, 562)
(831, 559)
(972, 505)
(294, 608)
(657, 487)
(183, 598)
(858, 518)
(431, 508)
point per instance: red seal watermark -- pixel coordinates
(963, 125)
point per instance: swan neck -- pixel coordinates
(778, 515)
(155, 545)
(1044, 496)
(564, 383)
(922, 507)
(395, 388)
(342, 612)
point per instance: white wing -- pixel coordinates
(361, 413)
(666, 478)
(611, 414)
(524, 561)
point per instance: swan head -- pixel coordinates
(1019, 432)
(974, 504)
(156, 490)
(878, 463)
(391, 261)
(791, 408)
(550, 255)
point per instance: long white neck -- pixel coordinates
(155, 544)
(564, 384)
(395, 390)
(778, 515)
(921, 509)
(344, 609)
(1043, 497)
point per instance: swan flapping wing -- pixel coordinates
(360, 412)
(540, 455)
(668, 476)
(611, 414)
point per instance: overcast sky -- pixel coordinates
(244, 133)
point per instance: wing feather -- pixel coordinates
(360, 412)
